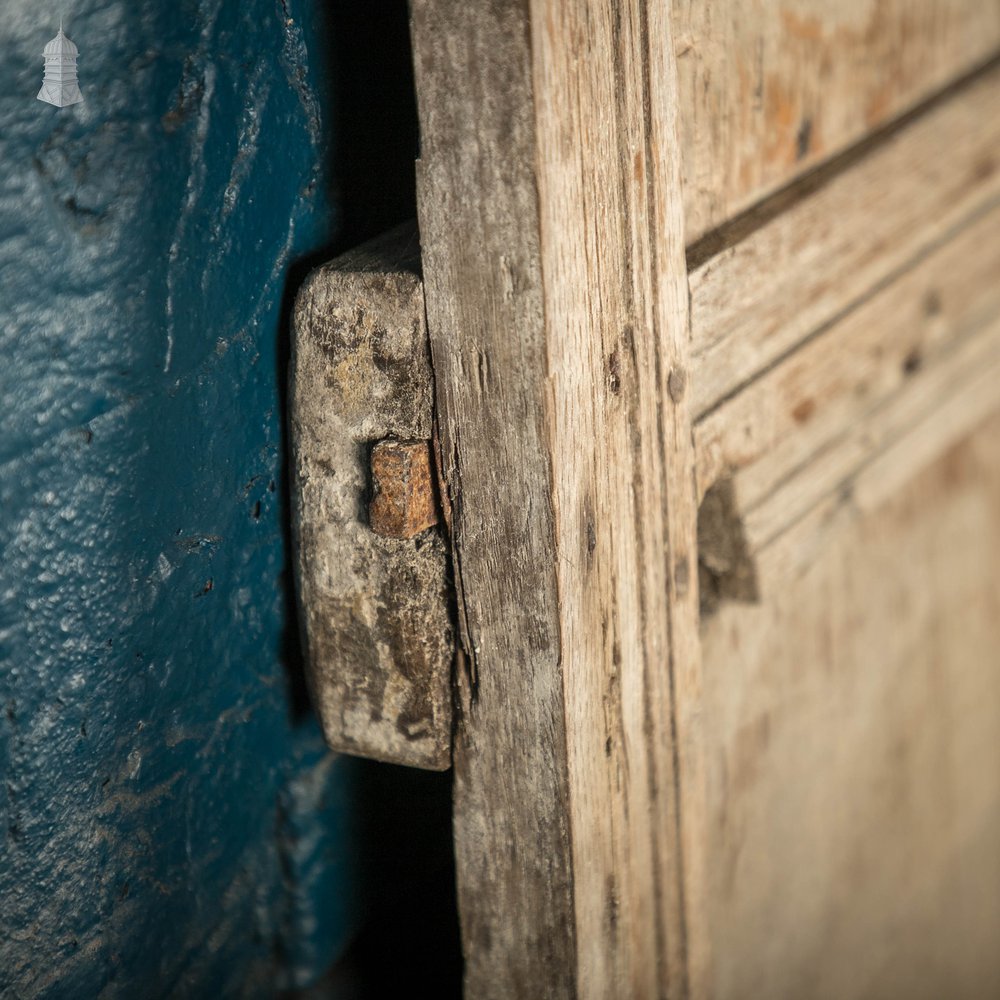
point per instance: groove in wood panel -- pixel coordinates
(769, 89)
(788, 414)
(849, 308)
(958, 385)
(808, 184)
(881, 473)
(962, 385)
(758, 300)
(855, 469)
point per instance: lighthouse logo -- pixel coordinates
(60, 86)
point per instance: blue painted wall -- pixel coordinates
(172, 825)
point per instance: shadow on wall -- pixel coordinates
(410, 936)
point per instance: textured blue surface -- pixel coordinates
(171, 826)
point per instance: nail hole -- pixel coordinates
(913, 362)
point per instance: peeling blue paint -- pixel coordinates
(170, 826)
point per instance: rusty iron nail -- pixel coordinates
(403, 502)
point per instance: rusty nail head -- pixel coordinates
(403, 502)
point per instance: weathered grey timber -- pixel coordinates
(478, 211)
(374, 609)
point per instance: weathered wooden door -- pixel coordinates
(713, 297)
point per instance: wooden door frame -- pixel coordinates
(552, 230)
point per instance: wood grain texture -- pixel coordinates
(757, 300)
(852, 694)
(795, 432)
(963, 376)
(617, 334)
(773, 87)
(919, 426)
(478, 213)
(843, 354)
(375, 611)
(852, 721)
(551, 223)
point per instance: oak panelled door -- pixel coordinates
(713, 298)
